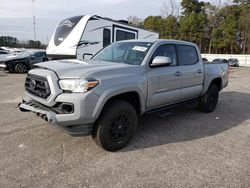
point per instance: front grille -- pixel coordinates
(37, 86)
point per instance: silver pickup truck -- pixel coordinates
(103, 97)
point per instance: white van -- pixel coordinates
(82, 36)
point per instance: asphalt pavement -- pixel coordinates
(186, 149)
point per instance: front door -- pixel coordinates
(164, 83)
(35, 58)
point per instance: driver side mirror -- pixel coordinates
(161, 61)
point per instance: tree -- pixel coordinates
(212, 21)
(244, 2)
(193, 21)
(155, 23)
(243, 36)
(191, 6)
(170, 8)
(171, 26)
(166, 27)
(225, 34)
(221, 27)
(135, 21)
(8, 41)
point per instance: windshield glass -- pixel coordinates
(64, 28)
(124, 52)
(22, 54)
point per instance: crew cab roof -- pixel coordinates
(161, 40)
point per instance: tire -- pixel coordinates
(115, 126)
(21, 68)
(45, 59)
(209, 101)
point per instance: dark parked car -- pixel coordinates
(2, 52)
(22, 62)
(233, 62)
(205, 60)
(220, 61)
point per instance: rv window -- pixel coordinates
(106, 37)
(64, 28)
(123, 35)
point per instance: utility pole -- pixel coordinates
(34, 19)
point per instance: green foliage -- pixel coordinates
(245, 2)
(13, 42)
(155, 23)
(215, 29)
(170, 27)
(191, 6)
(193, 22)
(166, 27)
(225, 34)
(8, 41)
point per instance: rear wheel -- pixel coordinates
(116, 125)
(209, 101)
(21, 68)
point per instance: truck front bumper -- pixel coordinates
(52, 117)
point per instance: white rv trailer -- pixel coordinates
(82, 36)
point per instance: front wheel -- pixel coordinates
(116, 125)
(209, 101)
(21, 68)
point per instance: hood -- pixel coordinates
(10, 57)
(76, 68)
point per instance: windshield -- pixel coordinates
(124, 52)
(22, 54)
(64, 28)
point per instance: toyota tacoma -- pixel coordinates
(104, 96)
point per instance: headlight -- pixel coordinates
(77, 85)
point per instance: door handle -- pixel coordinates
(178, 73)
(199, 71)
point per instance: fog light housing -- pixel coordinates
(67, 108)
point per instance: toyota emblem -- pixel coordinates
(33, 84)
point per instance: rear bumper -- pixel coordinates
(52, 117)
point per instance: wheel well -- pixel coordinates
(217, 82)
(130, 97)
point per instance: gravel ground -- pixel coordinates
(186, 149)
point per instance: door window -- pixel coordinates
(167, 50)
(187, 55)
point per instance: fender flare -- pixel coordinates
(208, 83)
(114, 91)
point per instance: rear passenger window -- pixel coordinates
(167, 50)
(187, 55)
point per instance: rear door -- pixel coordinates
(192, 70)
(164, 83)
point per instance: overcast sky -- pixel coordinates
(16, 15)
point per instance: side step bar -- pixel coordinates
(165, 110)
